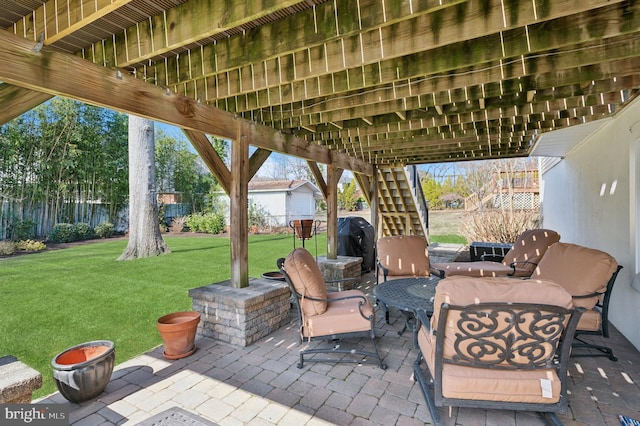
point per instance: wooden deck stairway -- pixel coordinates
(402, 209)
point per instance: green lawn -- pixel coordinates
(447, 239)
(57, 299)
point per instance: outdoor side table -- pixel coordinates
(408, 295)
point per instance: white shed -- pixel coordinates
(285, 200)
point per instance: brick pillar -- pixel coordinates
(241, 316)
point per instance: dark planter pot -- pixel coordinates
(82, 372)
(275, 275)
(178, 332)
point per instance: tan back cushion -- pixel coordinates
(580, 270)
(530, 246)
(464, 291)
(307, 279)
(404, 255)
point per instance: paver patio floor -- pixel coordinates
(261, 385)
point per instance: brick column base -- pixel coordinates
(342, 267)
(17, 381)
(241, 316)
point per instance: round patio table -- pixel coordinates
(408, 295)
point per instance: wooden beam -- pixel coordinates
(214, 163)
(317, 174)
(50, 71)
(256, 161)
(365, 186)
(16, 101)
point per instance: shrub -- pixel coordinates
(7, 248)
(497, 226)
(258, 216)
(63, 233)
(22, 230)
(177, 224)
(104, 230)
(83, 231)
(211, 223)
(30, 245)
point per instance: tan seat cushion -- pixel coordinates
(404, 255)
(307, 279)
(491, 384)
(580, 270)
(340, 314)
(590, 320)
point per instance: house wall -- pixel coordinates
(283, 208)
(591, 198)
(301, 204)
(274, 203)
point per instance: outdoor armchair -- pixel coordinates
(326, 315)
(520, 261)
(402, 256)
(496, 343)
(588, 275)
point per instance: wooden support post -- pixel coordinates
(333, 176)
(373, 203)
(238, 211)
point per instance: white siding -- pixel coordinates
(301, 204)
(591, 198)
(274, 203)
(284, 206)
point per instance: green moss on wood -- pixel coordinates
(461, 12)
(628, 20)
(436, 21)
(543, 7)
(513, 10)
(485, 8)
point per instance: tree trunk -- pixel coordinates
(145, 239)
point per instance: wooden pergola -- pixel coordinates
(356, 85)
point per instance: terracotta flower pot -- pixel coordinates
(82, 372)
(303, 228)
(178, 332)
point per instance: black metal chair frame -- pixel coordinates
(369, 357)
(558, 334)
(499, 259)
(603, 307)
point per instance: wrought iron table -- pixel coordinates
(408, 295)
